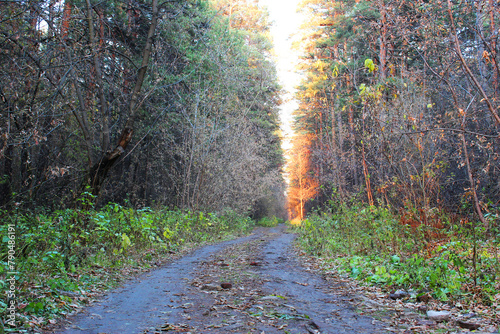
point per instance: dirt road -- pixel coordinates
(266, 291)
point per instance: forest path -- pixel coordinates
(270, 293)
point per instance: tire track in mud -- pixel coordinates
(271, 293)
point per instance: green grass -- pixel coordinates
(269, 222)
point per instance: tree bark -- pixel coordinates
(340, 152)
(473, 184)
(383, 41)
(65, 20)
(477, 206)
(103, 104)
(493, 47)
(369, 193)
(98, 173)
(6, 175)
(353, 149)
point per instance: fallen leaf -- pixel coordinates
(303, 284)
(468, 325)
(226, 285)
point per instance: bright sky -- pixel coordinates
(285, 23)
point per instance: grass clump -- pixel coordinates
(269, 221)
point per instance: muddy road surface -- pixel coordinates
(254, 284)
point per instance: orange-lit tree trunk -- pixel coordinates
(66, 18)
(303, 186)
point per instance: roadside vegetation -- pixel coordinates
(440, 258)
(66, 258)
(270, 221)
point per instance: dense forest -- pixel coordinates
(151, 103)
(400, 107)
(395, 169)
(134, 130)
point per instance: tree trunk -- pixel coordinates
(340, 152)
(383, 41)
(98, 173)
(369, 193)
(493, 48)
(468, 70)
(353, 148)
(103, 104)
(367, 178)
(6, 176)
(65, 20)
(477, 206)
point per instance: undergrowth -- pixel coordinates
(64, 258)
(270, 221)
(451, 261)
